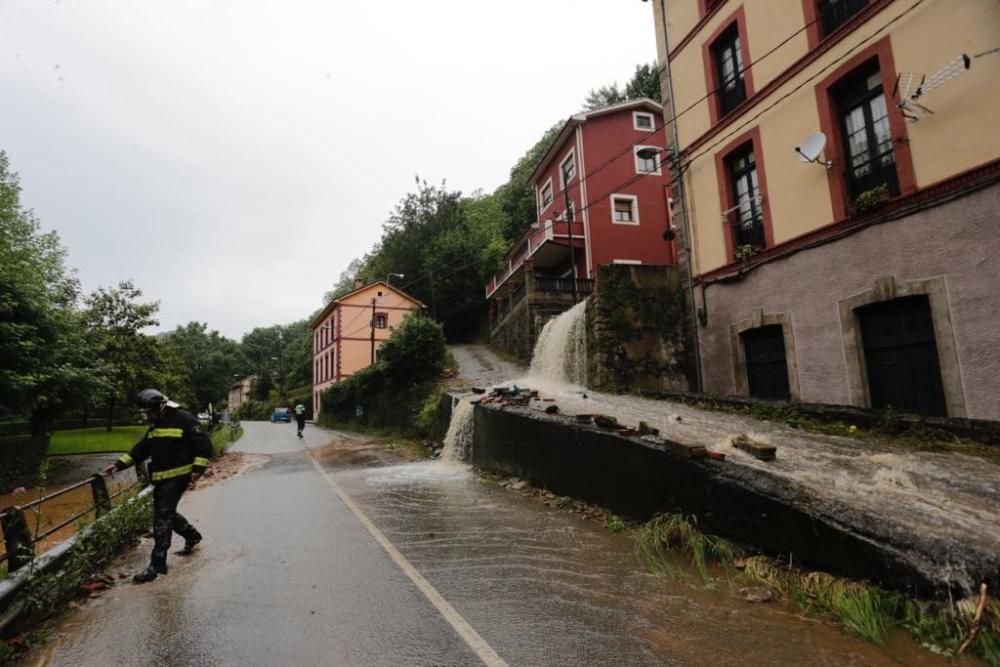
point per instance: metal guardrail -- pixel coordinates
(18, 539)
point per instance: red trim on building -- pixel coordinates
(793, 69)
(706, 14)
(971, 179)
(337, 355)
(712, 82)
(829, 123)
(367, 306)
(814, 23)
(728, 197)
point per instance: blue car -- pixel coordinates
(281, 415)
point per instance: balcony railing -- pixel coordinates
(563, 285)
(876, 172)
(536, 237)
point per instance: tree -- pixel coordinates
(414, 352)
(39, 332)
(517, 196)
(345, 283)
(116, 319)
(210, 361)
(644, 83)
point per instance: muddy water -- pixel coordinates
(55, 511)
(544, 586)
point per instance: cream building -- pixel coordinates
(870, 276)
(348, 333)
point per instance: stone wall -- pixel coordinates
(639, 338)
(517, 333)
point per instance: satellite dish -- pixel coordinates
(811, 149)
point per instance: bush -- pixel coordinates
(415, 352)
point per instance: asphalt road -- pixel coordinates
(343, 555)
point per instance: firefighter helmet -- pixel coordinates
(150, 399)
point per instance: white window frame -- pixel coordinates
(656, 158)
(541, 196)
(644, 114)
(635, 209)
(626, 261)
(571, 158)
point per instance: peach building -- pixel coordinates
(348, 332)
(871, 275)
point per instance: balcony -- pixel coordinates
(537, 291)
(545, 244)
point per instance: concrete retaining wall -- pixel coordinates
(749, 507)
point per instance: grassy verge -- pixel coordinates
(95, 440)
(224, 436)
(861, 608)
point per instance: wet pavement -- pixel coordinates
(345, 555)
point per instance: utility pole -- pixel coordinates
(373, 330)
(677, 176)
(569, 232)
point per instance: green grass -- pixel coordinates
(95, 440)
(665, 535)
(223, 437)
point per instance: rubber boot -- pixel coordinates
(150, 573)
(189, 544)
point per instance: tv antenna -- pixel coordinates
(811, 148)
(911, 86)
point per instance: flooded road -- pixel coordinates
(345, 555)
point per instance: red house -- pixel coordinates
(602, 198)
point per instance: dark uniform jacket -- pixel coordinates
(176, 445)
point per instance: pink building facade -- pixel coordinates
(348, 333)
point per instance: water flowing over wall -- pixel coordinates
(749, 505)
(458, 440)
(561, 351)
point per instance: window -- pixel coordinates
(546, 194)
(647, 165)
(835, 13)
(747, 213)
(864, 126)
(642, 121)
(381, 320)
(729, 70)
(567, 169)
(624, 209)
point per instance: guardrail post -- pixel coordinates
(102, 502)
(17, 538)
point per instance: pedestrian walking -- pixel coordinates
(179, 451)
(300, 417)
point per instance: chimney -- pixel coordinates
(358, 283)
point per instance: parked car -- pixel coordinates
(281, 415)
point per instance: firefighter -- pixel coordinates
(300, 417)
(179, 452)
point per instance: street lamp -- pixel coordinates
(390, 275)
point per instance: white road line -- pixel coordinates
(462, 627)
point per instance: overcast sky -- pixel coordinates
(232, 157)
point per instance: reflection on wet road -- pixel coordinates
(288, 574)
